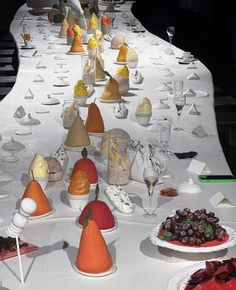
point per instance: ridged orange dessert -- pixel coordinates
(93, 255)
(77, 44)
(122, 53)
(79, 184)
(111, 91)
(35, 192)
(94, 122)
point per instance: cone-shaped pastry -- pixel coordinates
(111, 91)
(106, 24)
(79, 184)
(93, 22)
(80, 89)
(93, 255)
(122, 53)
(92, 46)
(35, 192)
(132, 57)
(70, 18)
(94, 122)
(117, 40)
(64, 27)
(38, 166)
(77, 44)
(100, 75)
(122, 77)
(77, 135)
(77, 29)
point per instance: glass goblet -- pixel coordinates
(170, 32)
(150, 176)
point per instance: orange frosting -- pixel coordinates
(93, 255)
(70, 32)
(106, 20)
(122, 53)
(79, 184)
(35, 192)
(94, 122)
(111, 91)
(77, 44)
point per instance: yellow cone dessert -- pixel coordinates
(111, 91)
(132, 58)
(64, 27)
(79, 184)
(122, 53)
(92, 46)
(80, 89)
(77, 29)
(144, 112)
(94, 122)
(93, 255)
(38, 166)
(77, 45)
(122, 77)
(77, 135)
(93, 22)
(35, 192)
(70, 18)
(100, 75)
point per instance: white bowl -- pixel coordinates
(143, 120)
(81, 100)
(78, 202)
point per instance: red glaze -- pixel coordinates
(87, 165)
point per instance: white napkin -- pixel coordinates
(50, 101)
(201, 94)
(19, 113)
(29, 94)
(220, 200)
(163, 88)
(199, 131)
(159, 61)
(190, 93)
(191, 66)
(40, 65)
(196, 166)
(38, 79)
(193, 76)
(193, 110)
(160, 105)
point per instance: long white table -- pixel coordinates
(141, 265)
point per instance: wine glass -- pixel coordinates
(179, 99)
(150, 176)
(170, 32)
(113, 17)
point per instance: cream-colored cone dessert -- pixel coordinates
(111, 91)
(122, 77)
(64, 27)
(100, 75)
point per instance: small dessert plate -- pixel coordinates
(75, 53)
(59, 84)
(100, 135)
(110, 271)
(43, 215)
(76, 148)
(101, 80)
(23, 131)
(28, 47)
(112, 101)
(120, 62)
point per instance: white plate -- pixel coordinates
(100, 135)
(28, 47)
(42, 216)
(179, 280)
(112, 101)
(23, 131)
(103, 231)
(101, 80)
(61, 85)
(231, 242)
(76, 148)
(120, 62)
(108, 37)
(57, 93)
(113, 269)
(42, 111)
(75, 53)
(115, 206)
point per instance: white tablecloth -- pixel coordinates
(140, 264)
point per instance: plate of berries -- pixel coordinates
(190, 231)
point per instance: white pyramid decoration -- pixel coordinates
(193, 110)
(38, 79)
(191, 66)
(161, 106)
(163, 88)
(193, 76)
(29, 94)
(159, 61)
(19, 113)
(40, 65)
(190, 93)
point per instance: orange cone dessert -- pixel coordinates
(93, 255)
(122, 53)
(94, 122)
(77, 44)
(77, 135)
(111, 91)
(35, 192)
(79, 184)
(64, 27)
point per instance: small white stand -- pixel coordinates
(19, 260)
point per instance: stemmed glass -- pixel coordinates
(170, 32)
(113, 17)
(150, 176)
(179, 99)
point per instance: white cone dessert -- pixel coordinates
(122, 77)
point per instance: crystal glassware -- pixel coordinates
(178, 99)
(170, 32)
